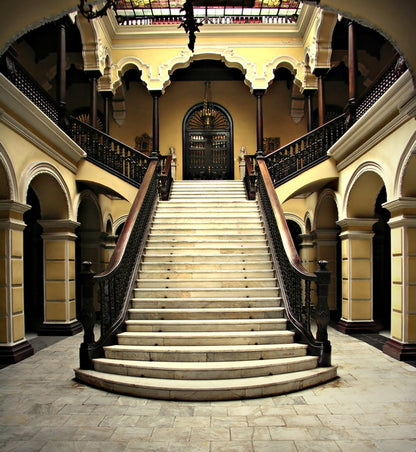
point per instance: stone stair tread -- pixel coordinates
(274, 300)
(208, 389)
(233, 348)
(205, 334)
(209, 365)
(207, 310)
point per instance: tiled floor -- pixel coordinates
(371, 407)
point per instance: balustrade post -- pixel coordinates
(322, 314)
(87, 314)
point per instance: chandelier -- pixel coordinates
(208, 111)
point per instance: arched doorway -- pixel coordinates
(208, 143)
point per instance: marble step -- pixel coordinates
(195, 273)
(160, 301)
(208, 390)
(205, 250)
(200, 258)
(193, 283)
(203, 229)
(207, 236)
(204, 353)
(227, 242)
(236, 314)
(196, 338)
(200, 267)
(205, 325)
(201, 221)
(196, 293)
(205, 370)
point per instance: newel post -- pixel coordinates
(322, 314)
(87, 314)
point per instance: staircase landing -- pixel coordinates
(206, 320)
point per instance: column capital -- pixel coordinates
(359, 225)
(402, 207)
(59, 228)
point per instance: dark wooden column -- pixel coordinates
(155, 151)
(309, 93)
(321, 95)
(352, 74)
(107, 95)
(61, 72)
(259, 121)
(93, 76)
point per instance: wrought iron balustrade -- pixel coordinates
(116, 284)
(20, 78)
(384, 81)
(112, 155)
(295, 282)
(304, 152)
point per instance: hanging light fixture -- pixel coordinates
(208, 112)
(85, 8)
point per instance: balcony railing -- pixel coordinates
(105, 151)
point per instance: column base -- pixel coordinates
(11, 354)
(356, 327)
(399, 351)
(60, 329)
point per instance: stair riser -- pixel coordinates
(251, 294)
(162, 327)
(202, 252)
(205, 275)
(195, 283)
(211, 356)
(185, 314)
(197, 303)
(202, 229)
(203, 242)
(164, 341)
(173, 267)
(217, 374)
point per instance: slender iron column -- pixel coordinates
(259, 121)
(156, 150)
(309, 95)
(61, 72)
(107, 95)
(93, 105)
(352, 74)
(321, 98)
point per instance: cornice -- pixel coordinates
(63, 150)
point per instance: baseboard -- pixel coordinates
(60, 329)
(11, 354)
(399, 351)
(356, 327)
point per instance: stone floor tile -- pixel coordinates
(250, 410)
(229, 421)
(311, 409)
(155, 421)
(210, 434)
(233, 446)
(362, 446)
(317, 446)
(192, 421)
(274, 446)
(396, 445)
(123, 433)
(270, 421)
(119, 421)
(171, 434)
(289, 433)
(250, 434)
(22, 446)
(302, 421)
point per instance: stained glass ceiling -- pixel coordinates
(147, 12)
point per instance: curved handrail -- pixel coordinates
(117, 282)
(284, 257)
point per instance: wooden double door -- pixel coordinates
(208, 150)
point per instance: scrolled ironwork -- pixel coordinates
(294, 280)
(105, 151)
(305, 152)
(116, 284)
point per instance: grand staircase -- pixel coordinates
(206, 321)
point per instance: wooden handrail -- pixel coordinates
(124, 237)
(287, 240)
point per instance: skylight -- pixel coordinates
(151, 12)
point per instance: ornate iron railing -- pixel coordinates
(165, 178)
(116, 284)
(250, 176)
(304, 152)
(20, 78)
(107, 152)
(294, 280)
(384, 81)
